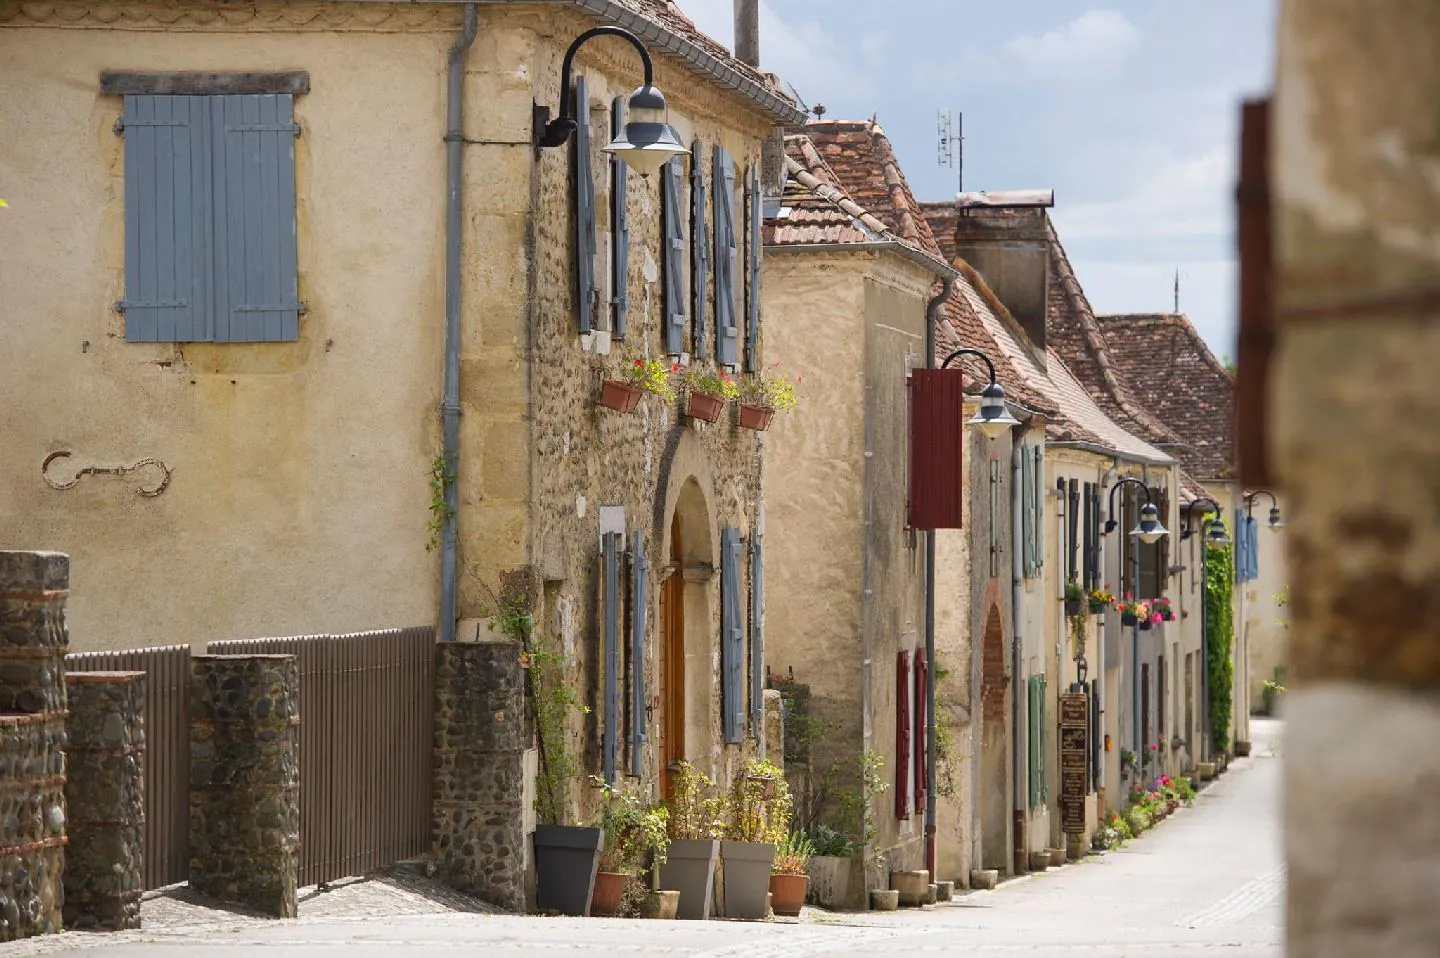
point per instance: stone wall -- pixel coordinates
(480, 792)
(33, 640)
(105, 798)
(244, 780)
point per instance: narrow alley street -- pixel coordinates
(1208, 878)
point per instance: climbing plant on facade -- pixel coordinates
(1219, 638)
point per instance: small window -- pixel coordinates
(210, 250)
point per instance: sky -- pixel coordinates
(1128, 109)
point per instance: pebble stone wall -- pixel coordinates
(33, 642)
(105, 795)
(244, 780)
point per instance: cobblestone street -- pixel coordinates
(1207, 878)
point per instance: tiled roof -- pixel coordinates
(816, 209)
(1190, 490)
(1167, 366)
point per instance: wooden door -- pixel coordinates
(672, 674)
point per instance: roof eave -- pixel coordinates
(917, 256)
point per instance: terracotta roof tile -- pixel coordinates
(861, 155)
(1166, 365)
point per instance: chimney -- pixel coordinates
(1005, 237)
(747, 32)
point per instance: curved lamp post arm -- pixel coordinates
(1194, 504)
(1252, 496)
(558, 131)
(957, 354)
(1126, 481)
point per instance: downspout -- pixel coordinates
(450, 404)
(932, 316)
(1017, 620)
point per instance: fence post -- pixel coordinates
(33, 640)
(105, 795)
(244, 780)
(480, 791)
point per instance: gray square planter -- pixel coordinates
(747, 878)
(566, 858)
(690, 869)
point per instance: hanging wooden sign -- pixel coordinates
(1074, 760)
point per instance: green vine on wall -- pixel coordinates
(1220, 638)
(442, 477)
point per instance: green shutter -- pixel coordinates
(1038, 486)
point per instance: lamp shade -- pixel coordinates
(1276, 522)
(648, 141)
(993, 417)
(1149, 530)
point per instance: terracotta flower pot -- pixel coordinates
(609, 889)
(787, 893)
(705, 406)
(755, 417)
(620, 396)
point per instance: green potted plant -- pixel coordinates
(828, 870)
(697, 822)
(634, 830)
(1134, 612)
(1272, 692)
(790, 874)
(1074, 598)
(760, 810)
(707, 391)
(761, 397)
(1100, 600)
(1161, 608)
(638, 376)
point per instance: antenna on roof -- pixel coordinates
(798, 99)
(950, 148)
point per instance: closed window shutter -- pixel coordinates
(611, 545)
(620, 225)
(640, 584)
(922, 741)
(902, 735)
(699, 248)
(1027, 513)
(1072, 510)
(732, 637)
(755, 216)
(1044, 740)
(1037, 487)
(727, 333)
(674, 226)
(586, 292)
(1252, 547)
(1032, 749)
(1087, 557)
(1242, 539)
(757, 634)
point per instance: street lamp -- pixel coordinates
(1213, 528)
(1148, 530)
(647, 142)
(1276, 522)
(993, 417)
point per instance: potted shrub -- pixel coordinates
(697, 822)
(633, 830)
(761, 397)
(1272, 692)
(1074, 598)
(638, 376)
(707, 392)
(1100, 600)
(829, 868)
(790, 874)
(759, 820)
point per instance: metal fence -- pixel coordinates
(366, 720)
(167, 752)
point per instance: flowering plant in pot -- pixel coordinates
(697, 822)
(1134, 611)
(707, 392)
(1074, 598)
(1161, 608)
(638, 376)
(790, 876)
(1100, 600)
(634, 832)
(760, 811)
(762, 396)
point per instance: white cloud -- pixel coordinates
(1095, 41)
(804, 54)
(1179, 197)
(1207, 293)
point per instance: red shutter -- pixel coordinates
(937, 440)
(922, 742)
(1256, 335)
(902, 735)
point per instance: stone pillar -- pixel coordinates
(480, 788)
(772, 739)
(33, 642)
(105, 795)
(244, 780)
(1355, 448)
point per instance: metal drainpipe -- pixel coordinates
(450, 404)
(932, 312)
(1017, 617)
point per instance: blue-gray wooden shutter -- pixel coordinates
(1044, 741)
(1242, 540)
(757, 634)
(1027, 511)
(727, 333)
(586, 292)
(731, 638)
(611, 733)
(620, 226)
(1038, 488)
(640, 584)
(1252, 548)
(674, 252)
(699, 247)
(756, 214)
(256, 299)
(167, 219)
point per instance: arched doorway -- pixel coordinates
(995, 747)
(685, 668)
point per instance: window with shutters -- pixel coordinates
(675, 253)
(1071, 491)
(210, 249)
(727, 329)
(732, 638)
(1032, 505)
(902, 735)
(619, 228)
(1032, 749)
(1154, 556)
